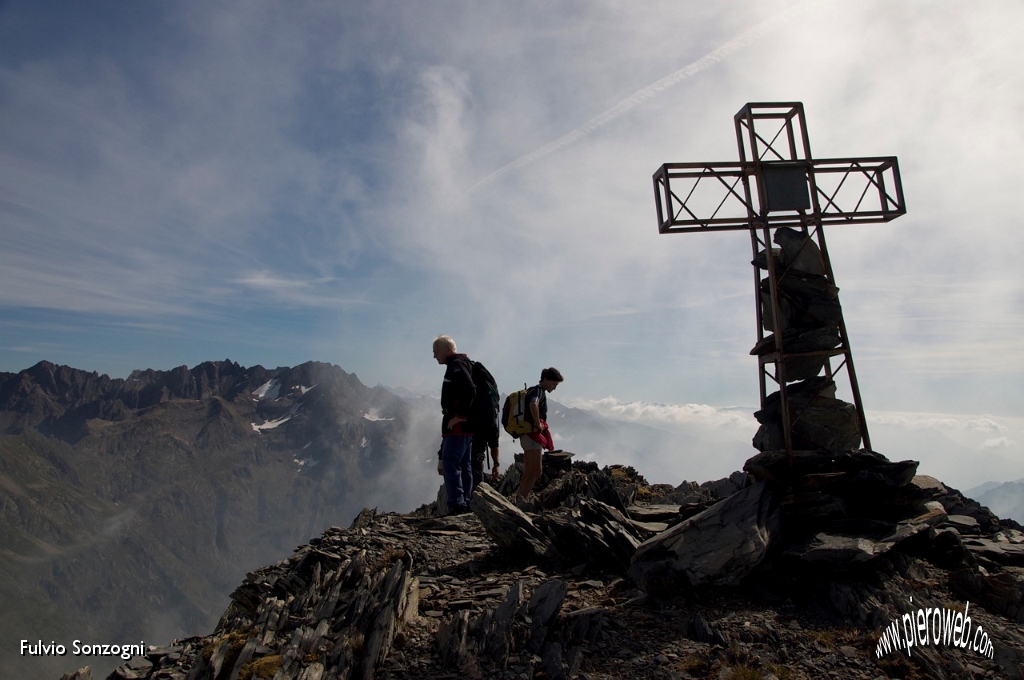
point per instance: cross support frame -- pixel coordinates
(777, 183)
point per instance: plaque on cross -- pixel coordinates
(781, 195)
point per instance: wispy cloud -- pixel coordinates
(324, 292)
(710, 59)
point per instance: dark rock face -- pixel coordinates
(164, 488)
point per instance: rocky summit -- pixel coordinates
(819, 565)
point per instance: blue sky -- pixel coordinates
(282, 182)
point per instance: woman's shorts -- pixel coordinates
(530, 445)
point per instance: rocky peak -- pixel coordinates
(777, 572)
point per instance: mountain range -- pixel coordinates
(1006, 499)
(129, 508)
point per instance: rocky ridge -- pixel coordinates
(774, 572)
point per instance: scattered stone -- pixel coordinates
(81, 674)
(996, 551)
(964, 524)
(654, 513)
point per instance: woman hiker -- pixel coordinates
(533, 442)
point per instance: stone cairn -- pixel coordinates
(810, 316)
(852, 536)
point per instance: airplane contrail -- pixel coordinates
(640, 96)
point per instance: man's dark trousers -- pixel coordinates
(456, 464)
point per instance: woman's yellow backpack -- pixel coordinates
(515, 416)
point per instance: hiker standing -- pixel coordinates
(533, 442)
(457, 394)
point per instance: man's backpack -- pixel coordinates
(485, 404)
(515, 416)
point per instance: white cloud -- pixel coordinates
(941, 421)
(963, 450)
(698, 415)
(959, 449)
(438, 128)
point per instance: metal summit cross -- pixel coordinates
(776, 187)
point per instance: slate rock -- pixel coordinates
(927, 486)
(727, 486)
(804, 303)
(855, 601)
(594, 532)
(796, 342)
(719, 546)
(1002, 553)
(654, 513)
(841, 551)
(775, 465)
(506, 524)
(708, 633)
(1000, 593)
(760, 260)
(811, 511)
(799, 251)
(964, 524)
(542, 609)
(84, 673)
(947, 550)
(817, 422)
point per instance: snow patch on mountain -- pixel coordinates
(271, 424)
(268, 390)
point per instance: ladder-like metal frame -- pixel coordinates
(835, 191)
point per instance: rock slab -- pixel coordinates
(719, 546)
